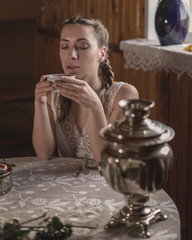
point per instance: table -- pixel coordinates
(149, 55)
(49, 186)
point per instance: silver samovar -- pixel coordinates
(136, 161)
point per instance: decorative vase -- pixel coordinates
(136, 162)
(172, 21)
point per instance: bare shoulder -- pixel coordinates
(127, 91)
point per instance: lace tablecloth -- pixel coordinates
(49, 186)
(150, 55)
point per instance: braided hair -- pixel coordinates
(105, 70)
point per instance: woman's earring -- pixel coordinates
(101, 59)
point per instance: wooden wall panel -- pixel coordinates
(124, 19)
(152, 86)
(179, 120)
(132, 23)
(189, 171)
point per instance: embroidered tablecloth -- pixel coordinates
(49, 186)
(150, 55)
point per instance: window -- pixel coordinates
(150, 33)
(189, 36)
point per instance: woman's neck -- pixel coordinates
(95, 84)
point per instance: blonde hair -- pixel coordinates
(105, 71)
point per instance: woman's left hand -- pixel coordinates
(77, 90)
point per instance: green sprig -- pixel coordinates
(48, 229)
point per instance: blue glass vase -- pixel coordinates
(172, 21)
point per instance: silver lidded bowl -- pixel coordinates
(6, 181)
(136, 161)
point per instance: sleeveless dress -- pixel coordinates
(70, 142)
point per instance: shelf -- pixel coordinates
(149, 55)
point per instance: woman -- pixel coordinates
(71, 117)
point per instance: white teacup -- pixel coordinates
(53, 77)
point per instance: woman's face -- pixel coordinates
(79, 51)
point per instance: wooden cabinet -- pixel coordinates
(16, 120)
(18, 75)
(16, 116)
(20, 9)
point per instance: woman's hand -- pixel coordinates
(43, 127)
(43, 88)
(77, 90)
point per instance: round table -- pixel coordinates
(49, 186)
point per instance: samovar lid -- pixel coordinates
(137, 128)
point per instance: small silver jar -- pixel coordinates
(6, 181)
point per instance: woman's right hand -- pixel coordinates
(42, 90)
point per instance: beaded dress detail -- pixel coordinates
(70, 142)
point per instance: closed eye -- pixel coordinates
(83, 45)
(64, 46)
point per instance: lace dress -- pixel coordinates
(70, 142)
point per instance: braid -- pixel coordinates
(63, 107)
(107, 74)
